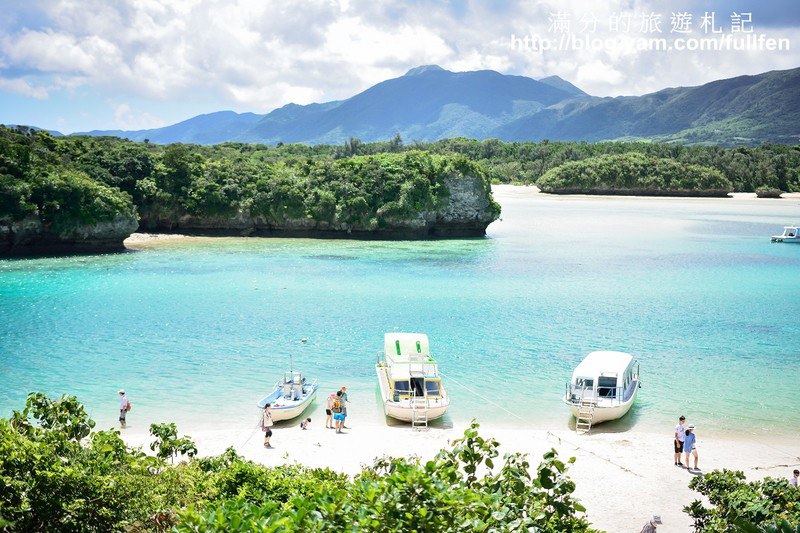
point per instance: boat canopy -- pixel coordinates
(603, 363)
(789, 231)
(407, 348)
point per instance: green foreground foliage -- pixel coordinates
(769, 506)
(57, 474)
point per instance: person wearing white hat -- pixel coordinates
(690, 446)
(124, 407)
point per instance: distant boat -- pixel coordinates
(290, 397)
(603, 388)
(790, 234)
(411, 386)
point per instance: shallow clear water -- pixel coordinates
(198, 330)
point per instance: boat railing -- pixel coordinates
(578, 394)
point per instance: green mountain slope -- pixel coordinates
(741, 110)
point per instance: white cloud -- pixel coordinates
(22, 87)
(127, 118)
(260, 54)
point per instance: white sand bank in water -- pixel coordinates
(143, 239)
(507, 192)
(622, 478)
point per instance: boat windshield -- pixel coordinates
(584, 382)
(607, 386)
(789, 232)
(433, 387)
(402, 387)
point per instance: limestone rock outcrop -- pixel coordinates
(30, 236)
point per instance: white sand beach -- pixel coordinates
(622, 478)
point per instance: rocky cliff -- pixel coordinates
(30, 236)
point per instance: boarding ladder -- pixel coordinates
(583, 421)
(419, 412)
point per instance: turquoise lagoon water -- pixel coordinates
(198, 330)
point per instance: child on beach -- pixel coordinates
(795, 476)
(266, 425)
(304, 424)
(689, 446)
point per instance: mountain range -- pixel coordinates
(430, 103)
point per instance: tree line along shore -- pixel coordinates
(80, 193)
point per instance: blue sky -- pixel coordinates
(133, 64)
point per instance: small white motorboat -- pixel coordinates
(603, 388)
(411, 387)
(290, 397)
(790, 234)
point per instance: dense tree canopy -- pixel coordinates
(33, 181)
(90, 178)
(634, 172)
(78, 180)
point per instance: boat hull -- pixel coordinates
(283, 409)
(402, 410)
(405, 414)
(604, 414)
(779, 238)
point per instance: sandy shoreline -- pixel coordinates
(527, 191)
(622, 478)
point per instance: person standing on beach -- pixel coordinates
(338, 416)
(345, 401)
(793, 480)
(680, 433)
(690, 446)
(124, 407)
(328, 413)
(266, 425)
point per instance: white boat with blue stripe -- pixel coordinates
(291, 396)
